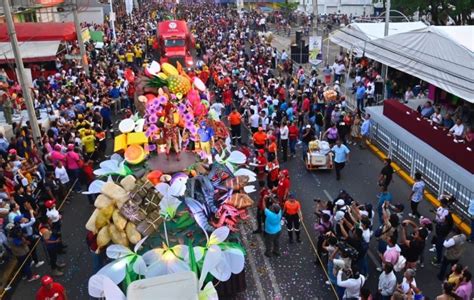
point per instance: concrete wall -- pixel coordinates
(89, 15)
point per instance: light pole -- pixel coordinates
(112, 19)
(21, 75)
(385, 67)
(82, 47)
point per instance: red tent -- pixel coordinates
(40, 32)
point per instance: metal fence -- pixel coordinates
(437, 181)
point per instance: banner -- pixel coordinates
(315, 46)
(86, 35)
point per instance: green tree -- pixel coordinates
(287, 7)
(440, 10)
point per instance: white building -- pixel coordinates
(354, 7)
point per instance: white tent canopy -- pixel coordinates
(31, 51)
(355, 35)
(440, 55)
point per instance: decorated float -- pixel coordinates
(169, 201)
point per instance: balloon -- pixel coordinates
(199, 84)
(129, 75)
(153, 69)
(193, 96)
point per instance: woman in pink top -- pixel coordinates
(73, 166)
(57, 155)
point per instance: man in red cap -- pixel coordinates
(50, 290)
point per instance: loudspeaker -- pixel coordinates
(299, 37)
(300, 54)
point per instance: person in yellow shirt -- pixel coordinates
(138, 55)
(88, 141)
(129, 57)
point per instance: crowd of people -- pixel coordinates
(281, 110)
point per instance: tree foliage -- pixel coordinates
(287, 7)
(438, 11)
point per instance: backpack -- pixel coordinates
(400, 265)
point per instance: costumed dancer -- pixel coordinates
(171, 132)
(206, 139)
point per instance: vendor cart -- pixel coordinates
(319, 156)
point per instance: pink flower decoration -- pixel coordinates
(150, 147)
(162, 100)
(153, 128)
(148, 133)
(173, 96)
(188, 124)
(153, 119)
(155, 102)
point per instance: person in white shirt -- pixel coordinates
(352, 284)
(61, 173)
(284, 134)
(254, 121)
(436, 117)
(458, 129)
(387, 282)
(218, 107)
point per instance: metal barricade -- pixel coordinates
(437, 181)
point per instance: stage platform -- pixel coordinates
(159, 162)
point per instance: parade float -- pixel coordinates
(169, 201)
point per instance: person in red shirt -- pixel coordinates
(264, 196)
(50, 290)
(273, 169)
(260, 168)
(306, 105)
(227, 99)
(283, 187)
(293, 133)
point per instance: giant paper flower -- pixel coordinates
(169, 203)
(123, 256)
(113, 166)
(221, 259)
(165, 260)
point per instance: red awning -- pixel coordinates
(40, 32)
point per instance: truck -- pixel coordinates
(175, 43)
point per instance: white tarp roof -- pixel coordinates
(440, 55)
(31, 51)
(355, 35)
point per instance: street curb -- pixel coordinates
(430, 197)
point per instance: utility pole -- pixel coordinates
(385, 67)
(21, 74)
(314, 4)
(112, 19)
(82, 47)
